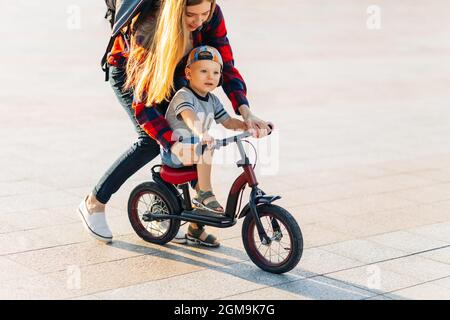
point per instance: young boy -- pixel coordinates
(190, 114)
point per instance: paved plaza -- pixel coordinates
(360, 154)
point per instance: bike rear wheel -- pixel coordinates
(286, 248)
(148, 198)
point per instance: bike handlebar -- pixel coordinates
(226, 141)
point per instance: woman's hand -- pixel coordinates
(257, 127)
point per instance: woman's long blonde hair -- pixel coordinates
(154, 56)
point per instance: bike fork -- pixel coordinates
(265, 240)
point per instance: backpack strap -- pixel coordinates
(104, 61)
(110, 14)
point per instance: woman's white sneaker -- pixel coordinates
(95, 223)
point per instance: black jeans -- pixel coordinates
(144, 150)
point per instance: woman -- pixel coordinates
(148, 60)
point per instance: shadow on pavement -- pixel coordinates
(298, 283)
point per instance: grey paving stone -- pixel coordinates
(426, 291)
(270, 293)
(404, 218)
(441, 255)
(438, 231)
(216, 283)
(247, 270)
(324, 288)
(14, 242)
(160, 290)
(444, 282)
(64, 234)
(35, 201)
(316, 236)
(363, 250)
(6, 227)
(20, 169)
(11, 270)
(35, 219)
(354, 226)
(376, 278)
(311, 214)
(128, 272)
(207, 284)
(369, 203)
(319, 261)
(434, 174)
(395, 182)
(232, 248)
(226, 254)
(60, 258)
(36, 287)
(406, 241)
(418, 267)
(23, 188)
(380, 297)
(427, 194)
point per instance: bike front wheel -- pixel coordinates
(286, 247)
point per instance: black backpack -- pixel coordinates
(126, 12)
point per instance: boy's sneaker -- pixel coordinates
(95, 223)
(161, 227)
(180, 237)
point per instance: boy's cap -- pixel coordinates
(204, 53)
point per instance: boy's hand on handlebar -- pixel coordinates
(208, 140)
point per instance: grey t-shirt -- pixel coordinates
(207, 108)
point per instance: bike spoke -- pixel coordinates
(278, 255)
(152, 203)
(259, 246)
(272, 254)
(148, 201)
(268, 247)
(284, 243)
(142, 202)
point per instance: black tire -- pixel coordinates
(288, 226)
(163, 201)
